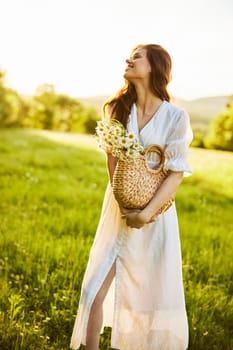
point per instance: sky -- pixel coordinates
(80, 46)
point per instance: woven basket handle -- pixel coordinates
(157, 149)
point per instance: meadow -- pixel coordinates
(51, 188)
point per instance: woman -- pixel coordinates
(133, 280)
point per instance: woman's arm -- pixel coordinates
(111, 165)
(164, 193)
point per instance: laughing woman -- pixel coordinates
(133, 280)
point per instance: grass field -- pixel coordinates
(51, 188)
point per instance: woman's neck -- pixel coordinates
(147, 103)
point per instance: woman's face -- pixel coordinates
(138, 66)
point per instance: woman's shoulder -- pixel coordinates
(173, 109)
(174, 112)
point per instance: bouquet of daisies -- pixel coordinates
(113, 138)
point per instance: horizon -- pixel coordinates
(109, 95)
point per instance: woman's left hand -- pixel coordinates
(133, 219)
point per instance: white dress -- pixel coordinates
(145, 304)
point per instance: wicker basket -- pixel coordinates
(135, 183)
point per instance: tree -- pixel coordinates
(12, 106)
(221, 132)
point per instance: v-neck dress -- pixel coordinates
(145, 304)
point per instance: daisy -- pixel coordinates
(124, 142)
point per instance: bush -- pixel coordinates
(12, 105)
(86, 122)
(198, 140)
(221, 133)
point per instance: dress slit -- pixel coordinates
(95, 293)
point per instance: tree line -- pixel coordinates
(45, 110)
(52, 111)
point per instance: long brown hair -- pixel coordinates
(160, 62)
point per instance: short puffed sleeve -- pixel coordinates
(177, 144)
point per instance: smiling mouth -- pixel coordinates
(128, 67)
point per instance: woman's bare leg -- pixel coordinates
(96, 313)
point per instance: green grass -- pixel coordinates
(51, 187)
